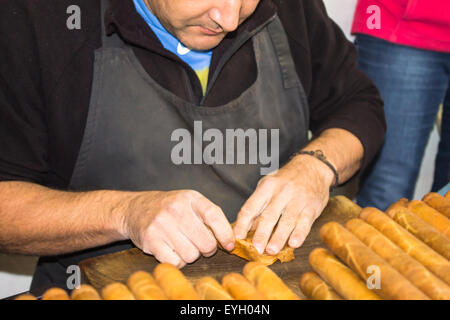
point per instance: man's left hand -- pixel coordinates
(289, 201)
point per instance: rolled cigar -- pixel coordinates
(339, 276)
(85, 292)
(438, 202)
(416, 273)
(420, 229)
(408, 243)
(144, 287)
(267, 282)
(431, 216)
(315, 288)
(360, 258)
(117, 291)
(25, 296)
(209, 289)
(240, 288)
(174, 283)
(55, 294)
(447, 195)
(403, 202)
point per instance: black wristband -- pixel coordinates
(318, 154)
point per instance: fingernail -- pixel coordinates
(272, 249)
(294, 243)
(259, 249)
(230, 246)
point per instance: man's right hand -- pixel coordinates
(175, 226)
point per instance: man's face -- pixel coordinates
(201, 24)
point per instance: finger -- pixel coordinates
(251, 209)
(163, 252)
(182, 245)
(284, 229)
(196, 231)
(210, 254)
(302, 228)
(269, 218)
(215, 219)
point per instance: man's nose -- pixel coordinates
(226, 14)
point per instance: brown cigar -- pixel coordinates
(361, 259)
(245, 249)
(438, 202)
(240, 288)
(408, 243)
(26, 297)
(267, 282)
(430, 216)
(416, 273)
(209, 289)
(55, 294)
(420, 229)
(144, 287)
(117, 291)
(341, 278)
(447, 195)
(85, 292)
(315, 288)
(174, 283)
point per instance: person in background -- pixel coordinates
(404, 46)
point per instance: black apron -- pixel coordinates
(127, 141)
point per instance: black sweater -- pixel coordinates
(46, 75)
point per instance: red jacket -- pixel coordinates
(422, 24)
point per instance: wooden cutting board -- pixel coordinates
(102, 270)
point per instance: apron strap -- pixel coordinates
(108, 41)
(281, 44)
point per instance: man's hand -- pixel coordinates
(173, 226)
(292, 197)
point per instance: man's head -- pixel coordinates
(201, 24)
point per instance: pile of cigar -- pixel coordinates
(400, 254)
(257, 282)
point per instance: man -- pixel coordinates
(90, 116)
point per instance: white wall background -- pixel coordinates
(15, 272)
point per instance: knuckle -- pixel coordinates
(172, 206)
(191, 194)
(191, 255)
(268, 217)
(247, 212)
(289, 221)
(209, 247)
(146, 248)
(287, 186)
(260, 238)
(158, 222)
(147, 237)
(211, 215)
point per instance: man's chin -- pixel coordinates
(204, 43)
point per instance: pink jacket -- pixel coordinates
(423, 24)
